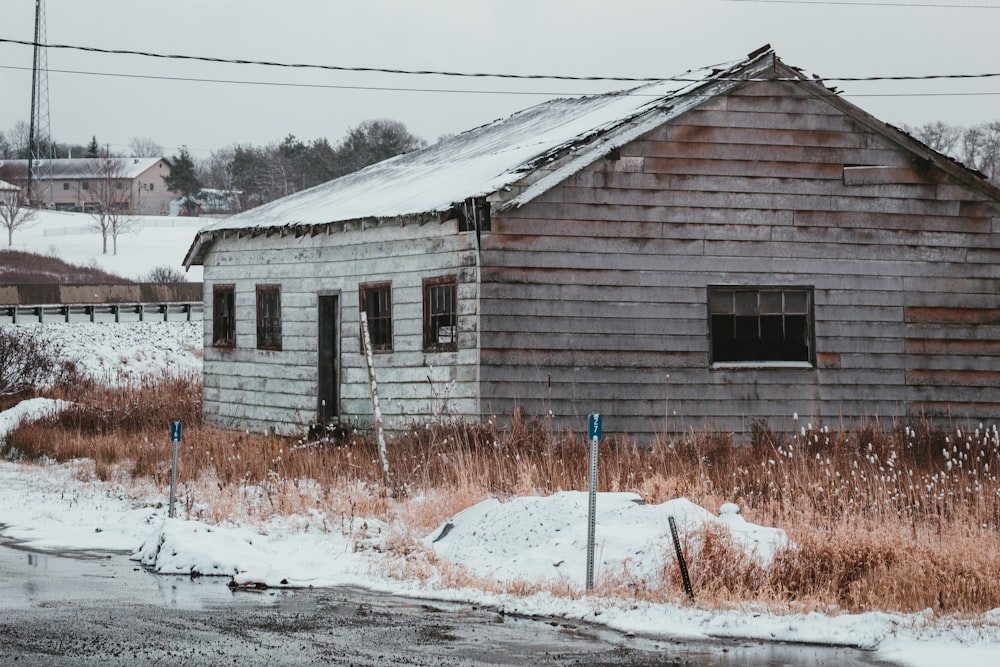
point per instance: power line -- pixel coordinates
(557, 77)
(933, 5)
(285, 84)
(282, 84)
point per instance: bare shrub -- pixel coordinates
(25, 363)
(163, 274)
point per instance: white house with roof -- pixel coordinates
(72, 183)
(721, 249)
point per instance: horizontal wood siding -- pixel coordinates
(262, 390)
(594, 296)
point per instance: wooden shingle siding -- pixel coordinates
(263, 390)
(596, 291)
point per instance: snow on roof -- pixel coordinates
(483, 160)
(73, 168)
(4, 185)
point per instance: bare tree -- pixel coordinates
(109, 195)
(981, 149)
(939, 136)
(144, 147)
(18, 137)
(14, 211)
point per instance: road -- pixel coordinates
(101, 609)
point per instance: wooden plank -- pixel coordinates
(784, 136)
(960, 378)
(893, 221)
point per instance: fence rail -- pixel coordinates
(134, 302)
(109, 312)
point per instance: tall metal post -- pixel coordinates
(594, 434)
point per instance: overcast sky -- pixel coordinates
(625, 38)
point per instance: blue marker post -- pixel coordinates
(594, 435)
(175, 436)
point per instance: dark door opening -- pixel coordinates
(328, 400)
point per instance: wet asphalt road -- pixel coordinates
(101, 609)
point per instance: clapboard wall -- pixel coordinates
(594, 295)
(262, 390)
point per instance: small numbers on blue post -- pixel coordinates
(594, 426)
(175, 431)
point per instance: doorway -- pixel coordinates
(328, 399)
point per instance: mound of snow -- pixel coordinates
(545, 538)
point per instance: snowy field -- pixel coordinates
(530, 538)
(152, 241)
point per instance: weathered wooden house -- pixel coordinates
(731, 245)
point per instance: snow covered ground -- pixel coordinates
(530, 539)
(153, 240)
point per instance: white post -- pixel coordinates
(376, 409)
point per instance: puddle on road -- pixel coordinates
(34, 577)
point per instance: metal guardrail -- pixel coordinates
(108, 312)
(116, 302)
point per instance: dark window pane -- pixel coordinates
(268, 317)
(223, 316)
(770, 302)
(746, 303)
(440, 314)
(376, 301)
(766, 325)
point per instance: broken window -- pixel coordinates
(268, 317)
(375, 300)
(224, 316)
(760, 324)
(440, 314)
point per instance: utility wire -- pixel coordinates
(283, 84)
(933, 5)
(339, 68)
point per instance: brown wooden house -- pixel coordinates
(737, 244)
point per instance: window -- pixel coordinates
(65, 186)
(151, 188)
(224, 316)
(440, 314)
(376, 300)
(760, 324)
(119, 185)
(268, 317)
(85, 185)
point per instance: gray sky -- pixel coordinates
(637, 38)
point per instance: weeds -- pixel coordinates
(893, 516)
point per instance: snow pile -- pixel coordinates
(27, 411)
(538, 539)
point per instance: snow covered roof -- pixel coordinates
(560, 136)
(514, 160)
(75, 168)
(4, 185)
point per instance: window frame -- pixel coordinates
(379, 323)
(219, 340)
(796, 320)
(268, 326)
(432, 321)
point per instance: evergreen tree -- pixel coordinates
(93, 150)
(184, 181)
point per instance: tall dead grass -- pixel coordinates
(890, 516)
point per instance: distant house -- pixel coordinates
(70, 184)
(7, 188)
(738, 244)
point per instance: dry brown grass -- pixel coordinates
(880, 516)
